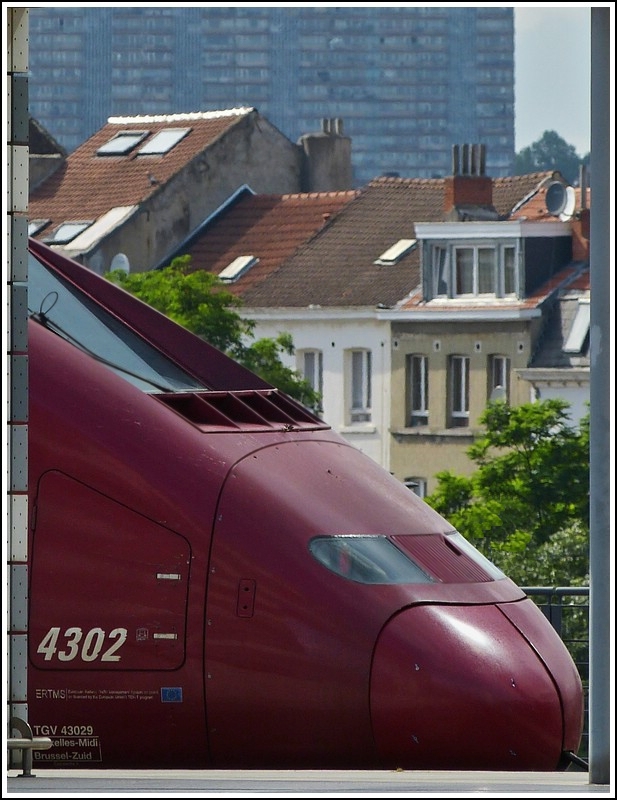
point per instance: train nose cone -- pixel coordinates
(461, 687)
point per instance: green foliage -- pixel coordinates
(550, 152)
(529, 495)
(563, 560)
(199, 301)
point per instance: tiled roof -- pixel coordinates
(269, 227)
(535, 208)
(581, 283)
(337, 266)
(508, 192)
(89, 185)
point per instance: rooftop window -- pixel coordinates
(394, 254)
(122, 143)
(36, 225)
(67, 232)
(580, 328)
(163, 141)
(237, 268)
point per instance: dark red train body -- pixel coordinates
(217, 579)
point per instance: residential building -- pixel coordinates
(410, 302)
(478, 325)
(140, 185)
(560, 367)
(409, 80)
(405, 366)
(45, 155)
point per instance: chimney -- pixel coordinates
(580, 235)
(580, 222)
(468, 185)
(582, 182)
(326, 158)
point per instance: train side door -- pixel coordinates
(107, 631)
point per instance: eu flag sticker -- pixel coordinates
(171, 694)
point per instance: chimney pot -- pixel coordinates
(468, 185)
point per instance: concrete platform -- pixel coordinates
(307, 783)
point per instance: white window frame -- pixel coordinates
(417, 389)
(507, 278)
(163, 141)
(446, 269)
(122, 143)
(310, 366)
(458, 377)
(67, 231)
(474, 280)
(359, 385)
(579, 328)
(440, 271)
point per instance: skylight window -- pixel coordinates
(394, 254)
(67, 232)
(36, 225)
(163, 141)
(237, 268)
(580, 328)
(122, 143)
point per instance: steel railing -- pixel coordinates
(567, 609)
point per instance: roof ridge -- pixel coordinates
(319, 195)
(193, 116)
(389, 179)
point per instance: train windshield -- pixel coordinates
(73, 316)
(367, 559)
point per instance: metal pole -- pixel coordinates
(602, 266)
(17, 429)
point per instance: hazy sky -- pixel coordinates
(552, 71)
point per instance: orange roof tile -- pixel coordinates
(337, 267)
(89, 185)
(269, 227)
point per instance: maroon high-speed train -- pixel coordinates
(219, 580)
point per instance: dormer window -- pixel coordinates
(462, 269)
(122, 143)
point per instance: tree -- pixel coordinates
(200, 302)
(530, 493)
(550, 152)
